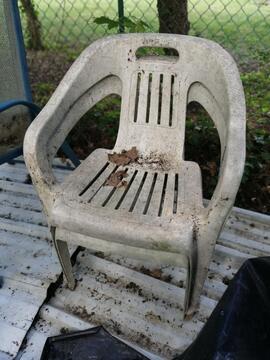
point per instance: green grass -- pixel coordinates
(241, 25)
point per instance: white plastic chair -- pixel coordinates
(159, 214)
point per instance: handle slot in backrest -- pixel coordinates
(161, 53)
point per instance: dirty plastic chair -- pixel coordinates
(158, 212)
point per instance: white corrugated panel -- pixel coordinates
(28, 264)
(112, 291)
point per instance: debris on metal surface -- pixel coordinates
(134, 300)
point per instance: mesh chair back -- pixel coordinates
(14, 83)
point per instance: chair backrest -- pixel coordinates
(13, 76)
(152, 105)
(157, 89)
(155, 92)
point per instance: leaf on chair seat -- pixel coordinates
(116, 179)
(125, 157)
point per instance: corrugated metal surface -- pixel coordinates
(28, 264)
(113, 291)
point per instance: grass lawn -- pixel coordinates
(240, 25)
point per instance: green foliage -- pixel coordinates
(257, 85)
(98, 127)
(42, 92)
(109, 111)
(202, 146)
(131, 24)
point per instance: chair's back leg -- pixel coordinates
(197, 276)
(198, 269)
(64, 258)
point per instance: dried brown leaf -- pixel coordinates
(132, 154)
(125, 157)
(116, 179)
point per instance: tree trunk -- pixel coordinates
(173, 16)
(34, 40)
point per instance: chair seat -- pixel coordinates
(153, 206)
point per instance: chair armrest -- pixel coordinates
(225, 103)
(49, 130)
(232, 164)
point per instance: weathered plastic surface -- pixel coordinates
(168, 223)
(119, 292)
(239, 327)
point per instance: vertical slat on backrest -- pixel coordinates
(179, 108)
(165, 100)
(133, 97)
(154, 99)
(174, 100)
(142, 103)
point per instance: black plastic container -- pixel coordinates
(92, 344)
(239, 327)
